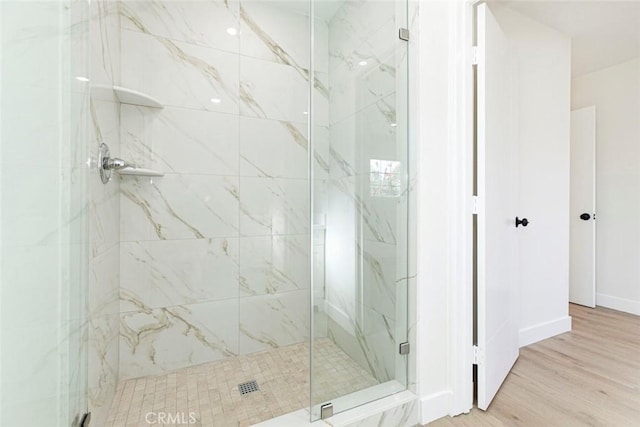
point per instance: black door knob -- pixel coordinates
(585, 217)
(523, 222)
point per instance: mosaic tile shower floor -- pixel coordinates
(209, 394)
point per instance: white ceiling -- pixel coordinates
(603, 33)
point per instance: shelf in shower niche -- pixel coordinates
(133, 97)
(138, 172)
(125, 96)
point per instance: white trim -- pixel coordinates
(460, 186)
(435, 406)
(544, 330)
(617, 303)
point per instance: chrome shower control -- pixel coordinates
(103, 156)
(106, 164)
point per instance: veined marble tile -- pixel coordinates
(354, 23)
(272, 148)
(154, 341)
(364, 136)
(178, 207)
(104, 283)
(273, 91)
(321, 99)
(178, 272)
(270, 206)
(379, 215)
(377, 136)
(104, 201)
(405, 415)
(273, 264)
(379, 285)
(180, 74)
(320, 201)
(104, 337)
(320, 44)
(105, 43)
(381, 354)
(205, 23)
(103, 331)
(321, 155)
(274, 32)
(344, 158)
(177, 140)
(380, 48)
(370, 84)
(374, 352)
(269, 321)
(105, 9)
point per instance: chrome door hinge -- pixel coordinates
(474, 55)
(474, 205)
(404, 348)
(403, 33)
(478, 355)
(326, 411)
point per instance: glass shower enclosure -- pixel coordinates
(43, 212)
(359, 215)
(275, 223)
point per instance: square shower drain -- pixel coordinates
(248, 387)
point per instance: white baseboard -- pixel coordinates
(620, 304)
(544, 330)
(435, 406)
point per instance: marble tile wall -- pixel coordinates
(366, 225)
(214, 254)
(104, 213)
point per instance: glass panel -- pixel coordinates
(360, 209)
(43, 207)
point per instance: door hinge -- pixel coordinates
(478, 355)
(474, 205)
(474, 55)
(326, 411)
(403, 34)
(404, 348)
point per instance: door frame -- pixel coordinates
(462, 171)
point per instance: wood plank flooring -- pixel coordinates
(587, 377)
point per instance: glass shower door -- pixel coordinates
(43, 212)
(359, 183)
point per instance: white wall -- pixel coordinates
(543, 57)
(615, 91)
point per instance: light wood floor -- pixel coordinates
(587, 377)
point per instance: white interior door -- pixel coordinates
(497, 185)
(582, 277)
